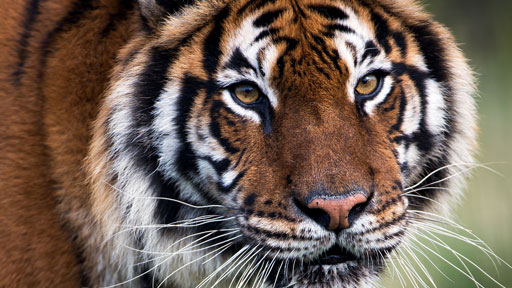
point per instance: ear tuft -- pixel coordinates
(153, 12)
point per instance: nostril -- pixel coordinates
(341, 211)
(356, 211)
(318, 215)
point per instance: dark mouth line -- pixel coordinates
(336, 255)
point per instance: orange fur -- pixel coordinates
(58, 198)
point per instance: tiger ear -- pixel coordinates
(153, 12)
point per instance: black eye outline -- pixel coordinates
(380, 75)
(261, 106)
(232, 90)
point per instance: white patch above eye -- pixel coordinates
(435, 107)
(384, 92)
(244, 40)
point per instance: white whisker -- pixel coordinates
(164, 198)
(222, 248)
(475, 165)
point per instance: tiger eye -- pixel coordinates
(246, 93)
(367, 85)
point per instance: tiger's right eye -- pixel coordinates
(246, 93)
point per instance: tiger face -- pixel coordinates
(276, 139)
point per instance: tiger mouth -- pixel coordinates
(335, 255)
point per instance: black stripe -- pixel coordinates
(125, 6)
(239, 158)
(433, 51)
(186, 161)
(370, 50)
(151, 84)
(32, 13)
(423, 138)
(400, 42)
(238, 61)
(211, 45)
(228, 189)
(149, 87)
(331, 54)
(266, 33)
(329, 12)
(215, 114)
(331, 28)
(291, 44)
(266, 19)
(382, 31)
(220, 166)
(79, 9)
(298, 10)
(401, 111)
(254, 5)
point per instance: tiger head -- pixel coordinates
(272, 142)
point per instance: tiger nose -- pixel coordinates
(338, 209)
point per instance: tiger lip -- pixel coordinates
(336, 255)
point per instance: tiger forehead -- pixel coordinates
(303, 40)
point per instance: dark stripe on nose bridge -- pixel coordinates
(331, 54)
(329, 12)
(266, 19)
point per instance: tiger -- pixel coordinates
(216, 143)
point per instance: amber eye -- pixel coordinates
(246, 93)
(368, 84)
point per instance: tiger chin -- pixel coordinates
(243, 143)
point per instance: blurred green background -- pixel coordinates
(484, 30)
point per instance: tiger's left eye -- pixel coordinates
(246, 93)
(368, 85)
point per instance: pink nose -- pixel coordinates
(338, 209)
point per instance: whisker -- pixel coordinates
(476, 165)
(251, 272)
(406, 271)
(192, 224)
(268, 270)
(252, 259)
(222, 248)
(446, 246)
(429, 260)
(458, 226)
(231, 259)
(164, 198)
(278, 271)
(399, 275)
(447, 262)
(247, 258)
(443, 231)
(405, 246)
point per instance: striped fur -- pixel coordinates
(127, 106)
